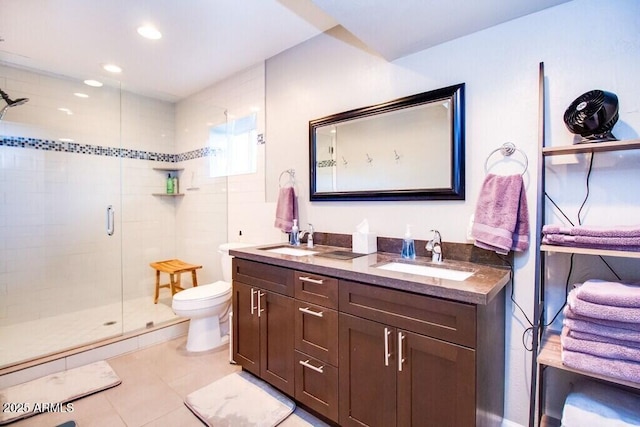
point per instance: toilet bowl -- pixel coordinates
(208, 306)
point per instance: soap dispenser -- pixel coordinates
(294, 237)
(408, 245)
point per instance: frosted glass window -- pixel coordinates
(234, 147)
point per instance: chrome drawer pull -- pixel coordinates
(310, 280)
(306, 364)
(387, 332)
(400, 358)
(306, 310)
(260, 309)
(253, 307)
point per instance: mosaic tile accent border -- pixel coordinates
(98, 150)
(326, 163)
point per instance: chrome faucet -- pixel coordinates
(435, 246)
(309, 238)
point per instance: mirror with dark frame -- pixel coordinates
(411, 148)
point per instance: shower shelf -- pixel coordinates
(175, 171)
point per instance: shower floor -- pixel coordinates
(36, 338)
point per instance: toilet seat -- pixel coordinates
(202, 296)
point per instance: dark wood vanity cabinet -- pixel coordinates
(415, 360)
(263, 313)
(364, 355)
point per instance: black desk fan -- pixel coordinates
(592, 116)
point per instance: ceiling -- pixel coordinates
(205, 41)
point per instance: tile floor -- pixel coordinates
(40, 337)
(155, 382)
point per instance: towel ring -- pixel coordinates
(292, 177)
(507, 149)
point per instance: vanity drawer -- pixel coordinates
(268, 277)
(317, 385)
(316, 289)
(316, 331)
(443, 319)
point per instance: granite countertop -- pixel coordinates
(480, 288)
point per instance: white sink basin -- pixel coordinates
(285, 250)
(427, 270)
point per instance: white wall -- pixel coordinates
(585, 44)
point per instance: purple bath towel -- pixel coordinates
(605, 339)
(600, 311)
(501, 220)
(565, 239)
(593, 231)
(597, 348)
(286, 209)
(622, 369)
(599, 327)
(609, 293)
(559, 240)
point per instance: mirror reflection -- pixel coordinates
(411, 148)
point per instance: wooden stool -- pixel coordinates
(173, 267)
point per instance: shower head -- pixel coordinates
(10, 102)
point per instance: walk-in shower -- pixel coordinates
(67, 279)
(10, 102)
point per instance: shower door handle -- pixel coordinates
(110, 220)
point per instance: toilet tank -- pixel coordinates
(225, 258)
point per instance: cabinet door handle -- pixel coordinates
(260, 309)
(306, 310)
(306, 364)
(310, 280)
(387, 355)
(400, 358)
(253, 307)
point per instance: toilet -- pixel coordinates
(208, 307)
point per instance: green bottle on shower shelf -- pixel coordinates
(169, 184)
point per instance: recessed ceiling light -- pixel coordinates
(93, 83)
(112, 68)
(81, 95)
(149, 32)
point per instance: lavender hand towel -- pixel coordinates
(609, 293)
(622, 369)
(593, 231)
(286, 209)
(598, 348)
(600, 311)
(501, 220)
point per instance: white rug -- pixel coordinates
(239, 400)
(53, 392)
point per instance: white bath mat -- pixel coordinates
(53, 392)
(239, 400)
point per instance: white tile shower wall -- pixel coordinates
(221, 207)
(55, 254)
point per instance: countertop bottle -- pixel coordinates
(408, 245)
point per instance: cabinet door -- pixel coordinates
(246, 328)
(367, 376)
(436, 382)
(276, 340)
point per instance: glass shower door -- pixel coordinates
(60, 247)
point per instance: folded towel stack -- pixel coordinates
(601, 329)
(617, 238)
